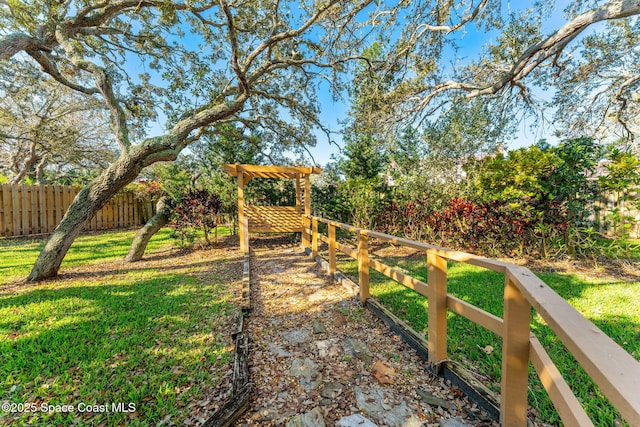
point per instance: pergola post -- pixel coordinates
(298, 193)
(307, 195)
(243, 222)
(306, 222)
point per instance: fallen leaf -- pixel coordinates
(383, 372)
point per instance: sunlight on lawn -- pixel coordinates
(151, 336)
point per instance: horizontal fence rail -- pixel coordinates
(615, 372)
(27, 210)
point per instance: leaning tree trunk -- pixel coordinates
(157, 221)
(94, 196)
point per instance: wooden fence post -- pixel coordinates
(7, 211)
(363, 266)
(243, 227)
(58, 204)
(3, 216)
(332, 250)
(42, 203)
(51, 213)
(437, 310)
(515, 357)
(314, 238)
(34, 209)
(15, 205)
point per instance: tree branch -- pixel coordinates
(233, 39)
(104, 85)
(535, 55)
(287, 34)
(422, 29)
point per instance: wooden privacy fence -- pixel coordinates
(627, 213)
(37, 209)
(616, 372)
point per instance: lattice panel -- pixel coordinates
(274, 219)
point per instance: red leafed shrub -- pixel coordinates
(491, 228)
(408, 220)
(196, 209)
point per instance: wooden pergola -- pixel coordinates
(271, 219)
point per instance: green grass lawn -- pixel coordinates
(611, 304)
(19, 254)
(153, 334)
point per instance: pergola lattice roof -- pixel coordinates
(255, 171)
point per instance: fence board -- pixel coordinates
(99, 216)
(33, 195)
(2, 211)
(51, 208)
(57, 203)
(6, 209)
(121, 211)
(136, 216)
(125, 219)
(41, 209)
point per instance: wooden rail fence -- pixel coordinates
(616, 372)
(37, 209)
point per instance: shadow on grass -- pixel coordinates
(141, 342)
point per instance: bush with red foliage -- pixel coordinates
(196, 209)
(490, 228)
(408, 220)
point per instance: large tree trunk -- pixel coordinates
(94, 196)
(155, 223)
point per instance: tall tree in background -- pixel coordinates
(594, 71)
(364, 159)
(363, 156)
(450, 148)
(598, 87)
(48, 132)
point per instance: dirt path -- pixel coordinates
(318, 358)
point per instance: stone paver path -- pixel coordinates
(317, 358)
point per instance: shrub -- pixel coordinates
(408, 220)
(489, 228)
(196, 209)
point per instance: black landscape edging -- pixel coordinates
(246, 285)
(238, 403)
(451, 371)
